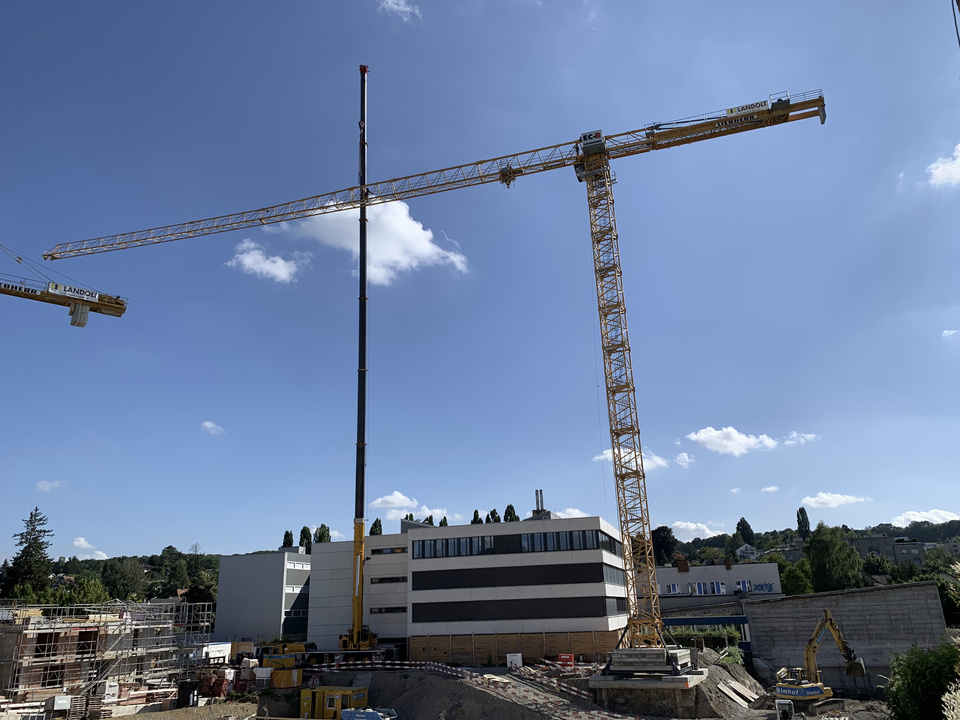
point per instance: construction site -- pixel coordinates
(122, 652)
(549, 617)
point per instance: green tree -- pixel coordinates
(443, 521)
(746, 532)
(510, 514)
(734, 542)
(202, 589)
(834, 563)
(306, 538)
(487, 519)
(376, 528)
(476, 518)
(287, 538)
(83, 591)
(30, 569)
(194, 562)
(177, 579)
(876, 564)
(665, 544)
(798, 578)
(494, 516)
(428, 520)
(322, 534)
(918, 680)
(803, 523)
(124, 578)
(410, 517)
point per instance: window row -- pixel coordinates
(519, 576)
(714, 588)
(388, 551)
(526, 609)
(399, 609)
(506, 544)
(390, 579)
(295, 613)
(297, 565)
(297, 588)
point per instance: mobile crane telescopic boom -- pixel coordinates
(590, 157)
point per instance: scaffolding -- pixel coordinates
(48, 650)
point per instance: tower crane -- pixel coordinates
(81, 301)
(590, 158)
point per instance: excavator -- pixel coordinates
(803, 685)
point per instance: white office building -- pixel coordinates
(263, 595)
(472, 593)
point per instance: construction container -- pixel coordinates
(325, 703)
(281, 679)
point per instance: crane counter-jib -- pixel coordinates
(61, 294)
(504, 169)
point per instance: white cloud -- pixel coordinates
(337, 535)
(212, 428)
(92, 553)
(947, 334)
(651, 461)
(570, 513)
(687, 531)
(396, 242)
(605, 456)
(403, 8)
(770, 488)
(934, 516)
(730, 441)
(945, 171)
(684, 460)
(251, 260)
(832, 500)
(47, 485)
(795, 438)
(736, 491)
(396, 499)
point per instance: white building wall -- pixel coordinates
(251, 594)
(331, 597)
(763, 582)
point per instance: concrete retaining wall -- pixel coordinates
(876, 622)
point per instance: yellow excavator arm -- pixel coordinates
(855, 666)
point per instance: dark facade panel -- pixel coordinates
(517, 576)
(525, 609)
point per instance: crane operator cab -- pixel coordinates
(591, 143)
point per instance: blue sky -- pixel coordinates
(792, 293)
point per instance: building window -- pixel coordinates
(297, 565)
(699, 588)
(295, 613)
(671, 589)
(391, 579)
(297, 588)
(400, 609)
(744, 586)
(718, 588)
(388, 551)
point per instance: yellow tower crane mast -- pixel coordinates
(590, 157)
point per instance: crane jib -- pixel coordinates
(503, 169)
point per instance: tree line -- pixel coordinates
(829, 561)
(33, 577)
(322, 533)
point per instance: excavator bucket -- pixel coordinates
(856, 668)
